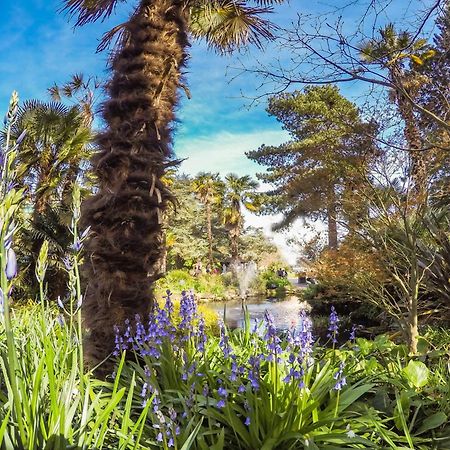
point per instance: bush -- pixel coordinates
(210, 285)
(268, 279)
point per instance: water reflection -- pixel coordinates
(285, 311)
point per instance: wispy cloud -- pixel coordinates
(224, 152)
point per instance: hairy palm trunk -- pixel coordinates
(125, 215)
(209, 231)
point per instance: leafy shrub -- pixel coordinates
(268, 279)
(211, 285)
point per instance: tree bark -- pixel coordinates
(209, 230)
(331, 221)
(125, 215)
(234, 243)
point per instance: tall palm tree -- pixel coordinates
(209, 190)
(391, 51)
(239, 194)
(126, 214)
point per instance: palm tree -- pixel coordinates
(82, 91)
(239, 193)
(54, 152)
(209, 190)
(126, 213)
(53, 156)
(391, 51)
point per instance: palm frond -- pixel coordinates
(229, 24)
(87, 11)
(116, 37)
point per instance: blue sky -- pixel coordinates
(40, 47)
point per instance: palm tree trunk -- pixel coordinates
(418, 170)
(417, 156)
(234, 243)
(125, 215)
(209, 226)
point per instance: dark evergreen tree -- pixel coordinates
(327, 155)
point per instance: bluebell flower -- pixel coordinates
(221, 404)
(11, 264)
(339, 376)
(224, 341)
(201, 335)
(222, 392)
(272, 339)
(67, 263)
(333, 327)
(247, 421)
(352, 336)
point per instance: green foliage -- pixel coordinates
(328, 152)
(270, 280)
(212, 285)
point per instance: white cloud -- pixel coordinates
(224, 152)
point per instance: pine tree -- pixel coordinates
(328, 152)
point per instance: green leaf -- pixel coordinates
(416, 372)
(432, 422)
(190, 440)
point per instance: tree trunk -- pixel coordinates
(125, 215)
(331, 220)
(413, 331)
(418, 164)
(234, 243)
(209, 230)
(417, 156)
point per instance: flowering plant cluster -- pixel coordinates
(249, 379)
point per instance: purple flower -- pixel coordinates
(247, 421)
(201, 336)
(76, 246)
(188, 311)
(223, 343)
(11, 264)
(333, 326)
(67, 263)
(222, 392)
(339, 376)
(352, 336)
(221, 404)
(159, 437)
(272, 339)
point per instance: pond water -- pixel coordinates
(285, 311)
